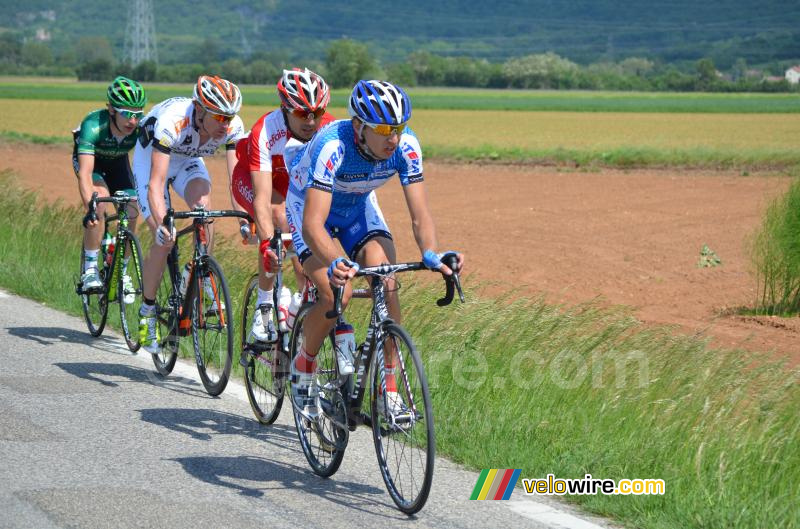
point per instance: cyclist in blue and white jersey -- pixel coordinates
(331, 194)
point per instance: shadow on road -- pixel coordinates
(106, 373)
(56, 335)
(203, 424)
(256, 476)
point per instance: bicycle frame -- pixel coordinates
(182, 306)
(120, 200)
(371, 351)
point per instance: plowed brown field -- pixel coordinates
(627, 237)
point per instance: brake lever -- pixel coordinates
(338, 293)
(452, 281)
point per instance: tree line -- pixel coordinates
(347, 61)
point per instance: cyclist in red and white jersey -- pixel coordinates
(176, 134)
(260, 181)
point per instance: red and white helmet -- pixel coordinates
(217, 95)
(303, 89)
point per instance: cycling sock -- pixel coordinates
(264, 296)
(304, 362)
(125, 265)
(90, 259)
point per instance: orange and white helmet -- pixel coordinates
(303, 89)
(217, 95)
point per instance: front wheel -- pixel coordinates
(129, 289)
(94, 302)
(325, 437)
(167, 314)
(212, 327)
(267, 366)
(402, 420)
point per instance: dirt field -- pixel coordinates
(627, 237)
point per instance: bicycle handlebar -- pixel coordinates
(119, 198)
(453, 282)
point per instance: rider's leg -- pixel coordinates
(376, 251)
(92, 235)
(317, 326)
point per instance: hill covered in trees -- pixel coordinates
(583, 31)
(611, 44)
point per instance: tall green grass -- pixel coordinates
(776, 255)
(562, 390)
(452, 98)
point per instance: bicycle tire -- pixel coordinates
(412, 440)
(212, 330)
(94, 303)
(322, 441)
(129, 309)
(167, 314)
(265, 390)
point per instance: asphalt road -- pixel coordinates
(90, 437)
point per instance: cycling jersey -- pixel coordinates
(111, 167)
(263, 150)
(331, 162)
(170, 127)
(93, 136)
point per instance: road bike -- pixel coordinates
(122, 282)
(401, 421)
(266, 364)
(195, 300)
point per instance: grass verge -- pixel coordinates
(547, 389)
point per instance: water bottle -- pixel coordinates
(294, 308)
(108, 247)
(284, 301)
(345, 347)
(184, 279)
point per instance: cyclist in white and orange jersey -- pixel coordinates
(176, 135)
(259, 181)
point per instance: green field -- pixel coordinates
(574, 128)
(450, 98)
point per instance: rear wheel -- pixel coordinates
(167, 307)
(267, 365)
(129, 291)
(212, 327)
(94, 302)
(402, 422)
(323, 439)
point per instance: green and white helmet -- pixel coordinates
(124, 92)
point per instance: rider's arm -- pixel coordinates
(316, 210)
(421, 220)
(158, 178)
(85, 169)
(262, 199)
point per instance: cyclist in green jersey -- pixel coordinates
(100, 161)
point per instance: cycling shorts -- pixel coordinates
(352, 232)
(113, 173)
(242, 186)
(181, 171)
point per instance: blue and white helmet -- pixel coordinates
(379, 102)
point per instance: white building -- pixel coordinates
(793, 75)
